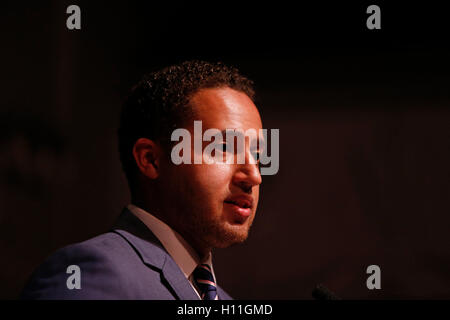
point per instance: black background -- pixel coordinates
(364, 125)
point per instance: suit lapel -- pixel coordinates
(153, 254)
(176, 279)
(222, 294)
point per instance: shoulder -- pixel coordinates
(104, 267)
(105, 247)
(108, 248)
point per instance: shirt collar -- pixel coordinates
(181, 252)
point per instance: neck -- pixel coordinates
(153, 208)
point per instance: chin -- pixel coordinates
(230, 235)
(228, 243)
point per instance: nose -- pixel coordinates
(247, 175)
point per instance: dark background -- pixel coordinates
(364, 125)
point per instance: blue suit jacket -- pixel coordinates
(128, 262)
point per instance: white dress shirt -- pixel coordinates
(182, 253)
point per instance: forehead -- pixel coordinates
(225, 108)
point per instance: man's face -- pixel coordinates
(213, 205)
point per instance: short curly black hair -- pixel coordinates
(159, 103)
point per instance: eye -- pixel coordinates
(256, 155)
(224, 147)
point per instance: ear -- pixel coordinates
(147, 155)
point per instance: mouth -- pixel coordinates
(241, 206)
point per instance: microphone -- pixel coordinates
(320, 292)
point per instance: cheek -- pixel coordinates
(214, 179)
(256, 196)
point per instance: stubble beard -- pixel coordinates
(215, 231)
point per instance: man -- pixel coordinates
(161, 246)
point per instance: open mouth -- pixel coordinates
(242, 204)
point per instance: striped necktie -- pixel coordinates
(204, 280)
